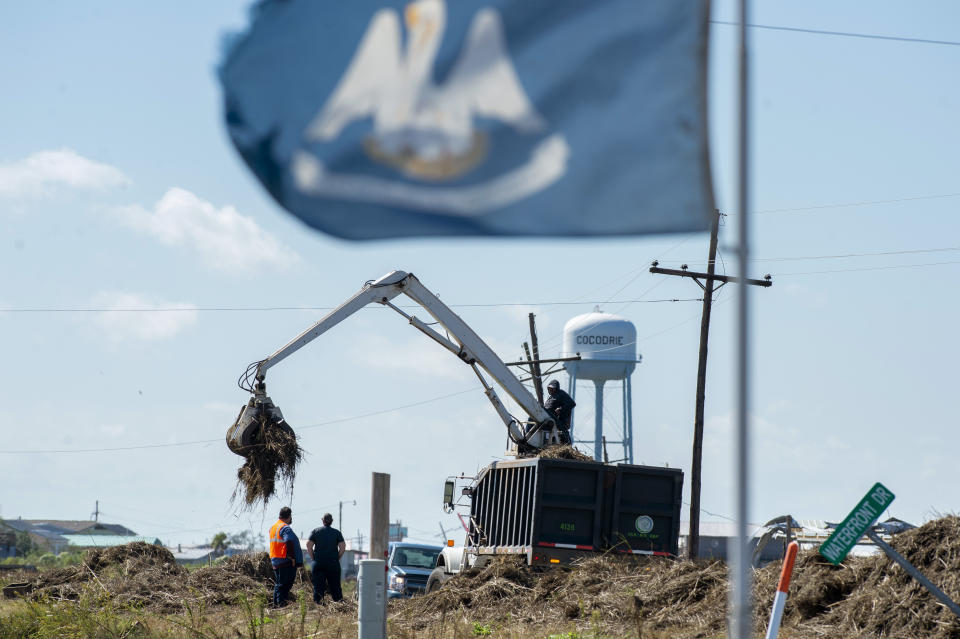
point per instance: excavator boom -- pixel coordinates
(461, 340)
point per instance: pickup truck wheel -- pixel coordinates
(436, 579)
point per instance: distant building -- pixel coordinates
(201, 554)
(717, 537)
(52, 535)
(397, 532)
(70, 526)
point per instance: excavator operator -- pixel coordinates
(560, 405)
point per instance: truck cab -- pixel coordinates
(408, 567)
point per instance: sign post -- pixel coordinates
(858, 522)
(913, 572)
(847, 534)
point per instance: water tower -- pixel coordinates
(607, 344)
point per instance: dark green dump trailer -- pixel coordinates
(552, 510)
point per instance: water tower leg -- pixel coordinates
(598, 428)
(629, 423)
(625, 439)
(572, 391)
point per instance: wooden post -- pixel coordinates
(538, 387)
(693, 539)
(537, 381)
(380, 516)
(913, 572)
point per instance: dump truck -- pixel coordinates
(552, 511)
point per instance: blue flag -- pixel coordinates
(450, 117)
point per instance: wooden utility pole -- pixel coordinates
(352, 502)
(693, 538)
(380, 516)
(537, 382)
(693, 545)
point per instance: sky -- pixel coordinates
(119, 189)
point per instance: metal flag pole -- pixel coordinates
(740, 609)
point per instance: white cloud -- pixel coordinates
(223, 237)
(113, 430)
(165, 320)
(44, 172)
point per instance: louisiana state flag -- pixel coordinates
(373, 120)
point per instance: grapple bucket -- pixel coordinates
(247, 430)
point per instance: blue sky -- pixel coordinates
(119, 189)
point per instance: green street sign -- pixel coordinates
(847, 534)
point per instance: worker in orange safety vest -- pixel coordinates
(285, 556)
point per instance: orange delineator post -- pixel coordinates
(780, 599)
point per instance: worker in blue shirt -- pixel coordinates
(560, 406)
(285, 556)
(326, 545)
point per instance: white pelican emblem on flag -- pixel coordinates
(425, 131)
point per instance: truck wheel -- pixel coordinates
(436, 579)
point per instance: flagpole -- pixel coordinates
(740, 609)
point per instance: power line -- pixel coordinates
(389, 410)
(319, 308)
(704, 510)
(845, 255)
(871, 268)
(868, 254)
(845, 34)
(852, 204)
(220, 439)
(551, 343)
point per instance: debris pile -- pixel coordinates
(563, 451)
(863, 597)
(148, 577)
(272, 459)
(867, 597)
(878, 598)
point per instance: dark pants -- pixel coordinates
(283, 577)
(326, 574)
(565, 435)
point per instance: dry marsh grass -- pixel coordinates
(137, 591)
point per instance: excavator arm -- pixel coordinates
(260, 412)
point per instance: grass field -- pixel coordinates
(139, 591)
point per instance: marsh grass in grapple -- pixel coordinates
(271, 461)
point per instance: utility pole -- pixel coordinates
(96, 511)
(707, 285)
(533, 375)
(535, 361)
(352, 502)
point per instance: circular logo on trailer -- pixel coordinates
(644, 524)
